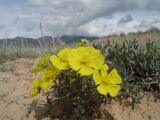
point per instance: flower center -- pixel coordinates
(85, 59)
(83, 63)
(105, 81)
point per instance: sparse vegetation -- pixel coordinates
(10, 50)
(5, 67)
(27, 47)
(139, 64)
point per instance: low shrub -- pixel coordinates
(138, 64)
(78, 78)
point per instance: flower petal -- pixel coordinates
(36, 83)
(103, 89)
(65, 54)
(58, 63)
(49, 74)
(97, 62)
(93, 52)
(104, 67)
(74, 64)
(86, 70)
(34, 92)
(114, 77)
(77, 53)
(46, 85)
(114, 90)
(97, 77)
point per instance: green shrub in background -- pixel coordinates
(138, 64)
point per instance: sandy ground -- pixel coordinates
(16, 104)
(147, 109)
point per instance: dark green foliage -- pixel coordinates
(138, 65)
(77, 93)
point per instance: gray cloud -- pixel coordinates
(2, 27)
(75, 16)
(147, 24)
(82, 12)
(155, 21)
(126, 19)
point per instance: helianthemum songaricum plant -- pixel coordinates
(74, 74)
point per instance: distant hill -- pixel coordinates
(74, 38)
(152, 34)
(24, 41)
(48, 40)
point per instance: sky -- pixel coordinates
(76, 17)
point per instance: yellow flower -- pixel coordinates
(61, 61)
(48, 77)
(42, 63)
(35, 87)
(83, 43)
(108, 83)
(50, 73)
(84, 59)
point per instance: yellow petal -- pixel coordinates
(36, 83)
(103, 89)
(58, 63)
(77, 53)
(97, 77)
(41, 63)
(46, 85)
(86, 70)
(34, 92)
(97, 62)
(49, 74)
(93, 52)
(74, 64)
(104, 67)
(65, 54)
(104, 76)
(36, 69)
(114, 77)
(114, 90)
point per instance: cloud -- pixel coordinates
(36, 2)
(81, 12)
(87, 17)
(126, 19)
(2, 26)
(144, 24)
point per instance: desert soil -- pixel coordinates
(16, 104)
